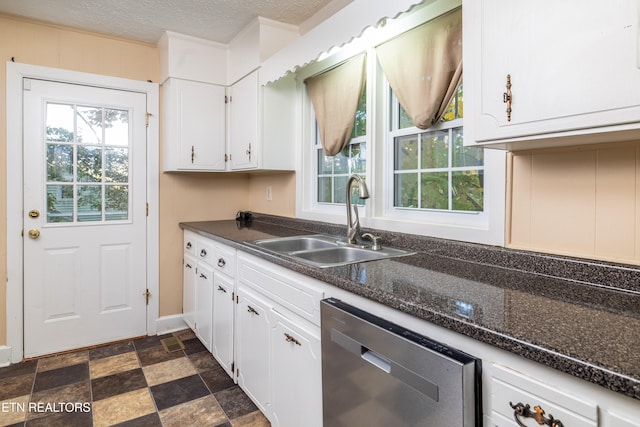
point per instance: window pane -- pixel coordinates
(89, 203)
(89, 164)
(406, 152)
(116, 168)
(339, 189)
(358, 158)
(406, 190)
(89, 125)
(435, 190)
(435, 150)
(59, 163)
(59, 203)
(324, 190)
(360, 124)
(404, 121)
(116, 201)
(459, 103)
(60, 122)
(116, 127)
(341, 161)
(325, 163)
(468, 191)
(465, 156)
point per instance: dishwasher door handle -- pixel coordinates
(376, 360)
(407, 376)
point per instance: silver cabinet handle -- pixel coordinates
(221, 262)
(203, 253)
(188, 245)
(289, 338)
(203, 276)
(252, 310)
(221, 289)
(188, 265)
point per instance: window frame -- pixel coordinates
(486, 227)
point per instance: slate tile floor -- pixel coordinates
(130, 384)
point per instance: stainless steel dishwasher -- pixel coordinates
(376, 373)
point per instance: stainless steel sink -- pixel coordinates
(325, 251)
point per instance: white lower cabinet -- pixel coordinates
(252, 348)
(514, 392)
(297, 381)
(204, 304)
(278, 358)
(189, 291)
(223, 319)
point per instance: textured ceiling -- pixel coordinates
(146, 20)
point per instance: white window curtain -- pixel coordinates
(424, 67)
(335, 95)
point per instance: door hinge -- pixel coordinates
(147, 209)
(147, 294)
(233, 366)
(233, 296)
(146, 120)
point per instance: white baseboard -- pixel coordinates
(169, 324)
(5, 356)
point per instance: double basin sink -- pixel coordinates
(323, 251)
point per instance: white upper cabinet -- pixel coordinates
(574, 70)
(261, 126)
(193, 126)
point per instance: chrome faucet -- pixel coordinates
(353, 227)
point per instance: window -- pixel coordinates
(334, 171)
(432, 169)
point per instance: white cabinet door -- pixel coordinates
(204, 304)
(223, 313)
(193, 125)
(189, 291)
(297, 372)
(572, 67)
(252, 348)
(243, 123)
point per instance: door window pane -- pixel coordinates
(59, 122)
(89, 123)
(89, 164)
(116, 199)
(116, 127)
(116, 165)
(89, 203)
(59, 163)
(59, 203)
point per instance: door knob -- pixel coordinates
(34, 233)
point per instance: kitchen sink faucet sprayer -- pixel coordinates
(353, 227)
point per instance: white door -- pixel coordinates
(84, 216)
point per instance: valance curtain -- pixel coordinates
(424, 67)
(335, 95)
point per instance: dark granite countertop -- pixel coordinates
(580, 317)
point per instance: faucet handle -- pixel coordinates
(376, 246)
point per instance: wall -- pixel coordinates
(182, 197)
(580, 201)
(283, 193)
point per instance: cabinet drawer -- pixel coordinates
(224, 259)
(189, 242)
(297, 296)
(509, 386)
(205, 250)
